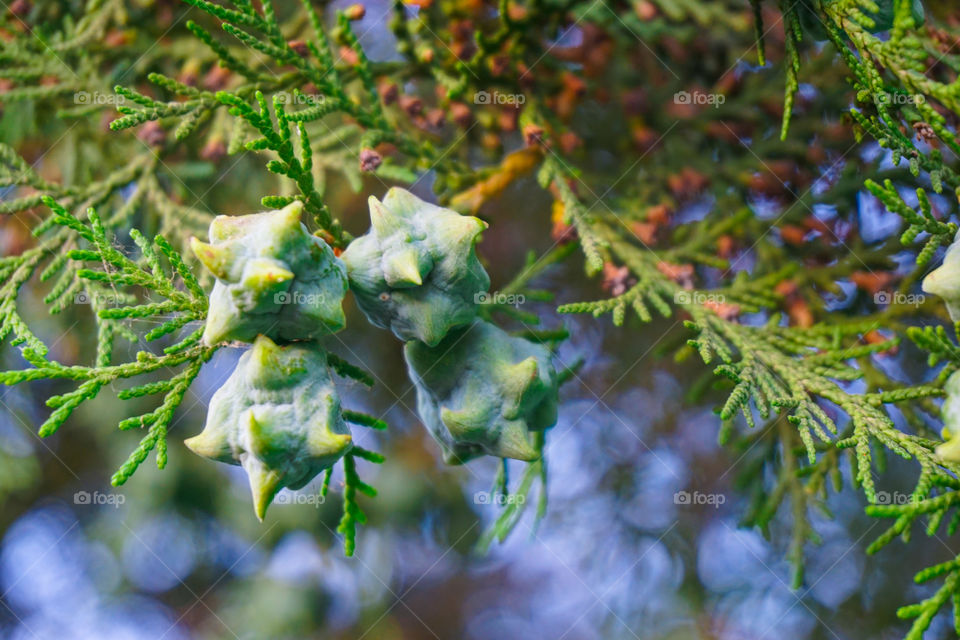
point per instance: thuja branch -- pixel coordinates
(160, 271)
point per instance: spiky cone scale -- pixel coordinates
(278, 416)
(944, 281)
(416, 271)
(273, 278)
(482, 391)
(950, 411)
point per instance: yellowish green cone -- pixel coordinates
(950, 449)
(416, 271)
(273, 278)
(482, 391)
(277, 415)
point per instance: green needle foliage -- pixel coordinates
(175, 300)
(700, 191)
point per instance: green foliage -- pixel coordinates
(677, 228)
(941, 233)
(155, 274)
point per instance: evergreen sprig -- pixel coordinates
(712, 260)
(160, 272)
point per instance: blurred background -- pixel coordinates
(642, 537)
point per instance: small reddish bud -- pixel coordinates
(508, 119)
(370, 160)
(682, 274)
(217, 78)
(117, 38)
(516, 12)
(349, 56)
(658, 214)
(499, 65)
(152, 134)
(645, 231)
(872, 282)
(436, 118)
(20, 8)
(411, 104)
(924, 132)
(533, 135)
(460, 113)
(490, 141)
(355, 12)
(792, 234)
(645, 10)
(388, 91)
(570, 142)
(616, 279)
(726, 311)
(299, 47)
(214, 150)
(725, 246)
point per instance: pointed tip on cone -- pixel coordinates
(207, 444)
(264, 485)
(291, 213)
(402, 268)
(515, 444)
(264, 348)
(264, 363)
(216, 258)
(323, 442)
(402, 199)
(459, 423)
(470, 227)
(266, 272)
(223, 228)
(384, 221)
(524, 372)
